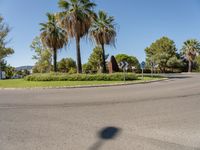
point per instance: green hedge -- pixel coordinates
(81, 77)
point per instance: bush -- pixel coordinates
(81, 77)
(72, 71)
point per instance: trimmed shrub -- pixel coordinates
(81, 77)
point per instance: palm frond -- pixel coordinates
(52, 35)
(191, 48)
(63, 4)
(77, 17)
(103, 29)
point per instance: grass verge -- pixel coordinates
(21, 83)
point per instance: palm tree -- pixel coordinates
(190, 49)
(76, 18)
(103, 32)
(53, 36)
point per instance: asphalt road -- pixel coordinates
(157, 116)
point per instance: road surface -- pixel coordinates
(157, 116)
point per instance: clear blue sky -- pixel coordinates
(140, 22)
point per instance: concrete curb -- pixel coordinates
(88, 86)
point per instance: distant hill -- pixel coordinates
(24, 68)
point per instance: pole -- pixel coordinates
(142, 74)
(124, 75)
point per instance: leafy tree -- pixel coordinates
(131, 60)
(72, 71)
(197, 60)
(10, 71)
(76, 18)
(174, 63)
(3, 64)
(66, 65)
(53, 36)
(160, 52)
(25, 73)
(4, 50)
(190, 49)
(103, 32)
(19, 73)
(96, 59)
(87, 68)
(42, 56)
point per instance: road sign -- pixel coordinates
(123, 65)
(156, 66)
(133, 67)
(142, 65)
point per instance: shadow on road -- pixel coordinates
(104, 135)
(179, 77)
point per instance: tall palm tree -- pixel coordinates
(76, 18)
(53, 36)
(190, 49)
(103, 32)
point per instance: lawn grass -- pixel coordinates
(21, 83)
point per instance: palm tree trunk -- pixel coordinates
(164, 70)
(104, 60)
(161, 69)
(190, 66)
(55, 60)
(78, 53)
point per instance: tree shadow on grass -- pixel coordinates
(104, 135)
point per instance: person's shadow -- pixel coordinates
(108, 133)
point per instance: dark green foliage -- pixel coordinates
(3, 64)
(25, 73)
(175, 63)
(160, 52)
(81, 77)
(20, 73)
(66, 65)
(96, 59)
(131, 60)
(4, 50)
(197, 62)
(72, 71)
(10, 71)
(87, 68)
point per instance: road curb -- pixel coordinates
(88, 86)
